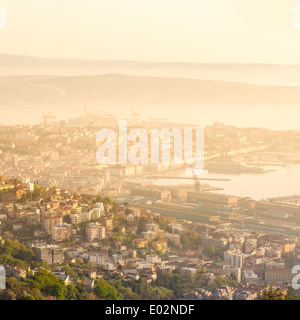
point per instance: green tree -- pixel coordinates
(270, 293)
(211, 251)
(71, 291)
(105, 291)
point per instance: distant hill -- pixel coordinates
(118, 89)
(251, 73)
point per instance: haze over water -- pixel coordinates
(274, 118)
(283, 182)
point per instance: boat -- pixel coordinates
(235, 167)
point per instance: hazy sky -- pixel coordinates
(153, 30)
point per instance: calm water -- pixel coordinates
(283, 182)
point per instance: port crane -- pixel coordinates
(196, 181)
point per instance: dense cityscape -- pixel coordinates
(149, 157)
(72, 229)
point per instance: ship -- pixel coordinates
(234, 167)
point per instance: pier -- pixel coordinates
(186, 178)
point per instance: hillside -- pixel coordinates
(264, 74)
(125, 90)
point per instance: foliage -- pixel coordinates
(270, 293)
(180, 284)
(105, 291)
(137, 290)
(15, 253)
(213, 252)
(190, 240)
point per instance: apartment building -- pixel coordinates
(52, 254)
(61, 232)
(95, 231)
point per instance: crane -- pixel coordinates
(196, 182)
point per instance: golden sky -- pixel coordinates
(254, 31)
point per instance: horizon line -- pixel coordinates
(148, 61)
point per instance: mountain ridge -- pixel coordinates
(264, 74)
(118, 89)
